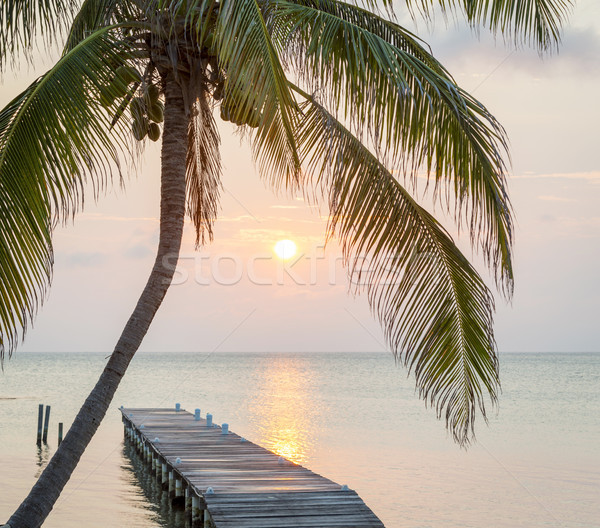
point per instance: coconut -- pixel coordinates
(151, 95)
(156, 112)
(137, 107)
(139, 128)
(154, 132)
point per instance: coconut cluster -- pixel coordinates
(235, 109)
(147, 111)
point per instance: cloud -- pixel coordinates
(459, 47)
(592, 176)
(85, 259)
(138, 251)
(110, 218)
(555, 199)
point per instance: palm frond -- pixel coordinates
(54, 137)
(203, 168)
(97, 14)
(534, 22)
(395, 94)
(256, 82)
(435, 309)
(22, 21)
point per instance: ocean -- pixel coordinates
(354, 418)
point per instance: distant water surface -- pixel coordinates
(352, 418)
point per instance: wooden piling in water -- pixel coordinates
(60, 432)
(46, 424)
(40, 423)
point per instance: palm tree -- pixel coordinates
(333, 96)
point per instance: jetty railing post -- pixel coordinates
(40, 423)
(60, 432)
(46, 423)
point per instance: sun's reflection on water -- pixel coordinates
(281, 407)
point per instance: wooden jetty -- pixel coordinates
(225, 481)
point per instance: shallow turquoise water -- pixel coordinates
(353, 418)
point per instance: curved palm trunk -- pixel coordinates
(40, 501)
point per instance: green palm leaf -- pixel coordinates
(256, 81)
(537, 22)
(97, 14)
(54, 137)
(396, 95)
(434, 307)
(21, 21)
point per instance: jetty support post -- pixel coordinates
(171, 483)
(188, 498)
(40, 423)
(60, 432)
(46, 424)
(165, 476)
(196, 512)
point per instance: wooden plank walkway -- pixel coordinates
(225, 481)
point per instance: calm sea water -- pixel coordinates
(353, 418)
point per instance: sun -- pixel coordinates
(285, 249)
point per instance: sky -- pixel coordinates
(236, 295)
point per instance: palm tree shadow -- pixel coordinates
(157, 501)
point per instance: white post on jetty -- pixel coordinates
(178, 407)
(197, 415)
(209, 420)
(225, 429)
